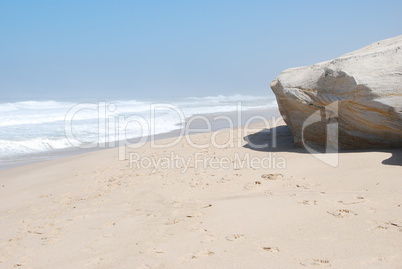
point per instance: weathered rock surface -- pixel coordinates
(360, 91)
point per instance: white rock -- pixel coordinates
(367, 84)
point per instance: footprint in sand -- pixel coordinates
(395, 223)
(49, 240)
(271, 249)
(195, 183)
(203, 253)
(314, 262)
(159, 251)
(252, 185)
(45, 195)
(341, 213)
(197, 255)
(173, 221)
(359, 199)
(234, 237)
(177, 204)
(307, 186)
(272, 176)
(209, 238)
(381, 227)
(195, 215)
(224, 180)
(307, 202)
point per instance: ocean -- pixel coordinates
(29, 128)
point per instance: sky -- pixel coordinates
(175, 48)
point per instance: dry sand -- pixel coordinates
(94, 211)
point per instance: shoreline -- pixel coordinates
(62, 153)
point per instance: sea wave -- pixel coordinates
(16, 148)
(228, 98)
(39, 126)
(39, 112)
(33, 105)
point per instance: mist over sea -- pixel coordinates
(31, 127)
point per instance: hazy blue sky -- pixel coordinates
(56, 49)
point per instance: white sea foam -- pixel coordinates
(18, 148)
(38, 126)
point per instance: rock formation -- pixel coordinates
(361, 92)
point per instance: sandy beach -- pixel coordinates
(199, 205)
(200, 134)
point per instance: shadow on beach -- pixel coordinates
(279, 139)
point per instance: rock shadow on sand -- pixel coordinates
(280, 139)
(276, 139)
